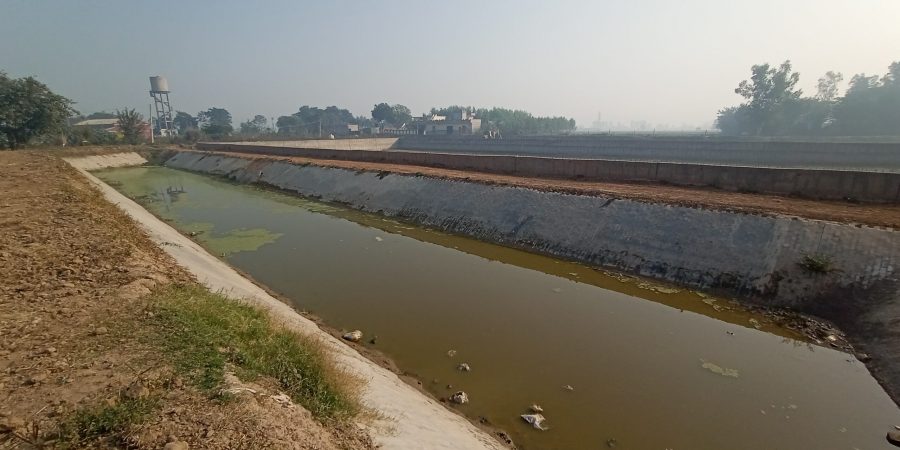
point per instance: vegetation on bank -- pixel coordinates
(202, 335)
(775, 107)
(203, 331)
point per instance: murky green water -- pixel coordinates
(651, 367)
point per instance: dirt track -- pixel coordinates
(860, 213)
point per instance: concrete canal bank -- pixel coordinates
(841, 272)
(404, 418)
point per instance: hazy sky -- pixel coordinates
(660, 61)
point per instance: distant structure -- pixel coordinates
(159, 90)
(459, 122)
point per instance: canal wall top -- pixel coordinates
(882, 187)
(836, 155)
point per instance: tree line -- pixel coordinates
(774, 106)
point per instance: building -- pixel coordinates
(109, 126)
(462, 122)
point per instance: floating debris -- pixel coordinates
(535, 408)
(535, 420)
(719, 370)
(378, 238)
(568, 387)
(611, 443)
(353, 336)
(460, 398)
(755, 323)
(557, 290)
(451, 353)
(464, 367)
(658, 288)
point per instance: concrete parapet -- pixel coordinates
(825, 184)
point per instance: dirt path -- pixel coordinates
(74, 271)
(861, 213)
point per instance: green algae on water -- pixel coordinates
(239, 240)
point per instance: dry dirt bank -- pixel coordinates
(843, 212)
(73, 272)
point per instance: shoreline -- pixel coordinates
(407, 417)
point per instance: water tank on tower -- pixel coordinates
(159, 84)
(159, 90)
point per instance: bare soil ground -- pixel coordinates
(74, 273)
(879, 215)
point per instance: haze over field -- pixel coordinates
(657, 61)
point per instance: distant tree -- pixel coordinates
(382, 112)
(871, 105)
(766, 92)
(392, 114)
(400, 114)
(309, 120)
(100, 115)
(131, 124)
(773, 107)
(28, 109)
(184, 121)
(256, 125)
(215, 122)
(827, 88)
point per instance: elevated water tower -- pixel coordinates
(159, 90)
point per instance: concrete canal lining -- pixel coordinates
(407, 418)
(756, 257)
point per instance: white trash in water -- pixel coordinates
(353, 336)
(535, 420)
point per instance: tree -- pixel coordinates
(400, 114)
(382, 112)
(215, 122)
(131, 124)
(393, 114)
(870, 106)
(100, 115)
(827, 88)
(766, 92)
(184, 121)
(255, 126)
(28, 109)
(310, 120)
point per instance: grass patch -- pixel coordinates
(817, 263)
(110, 422)
(202, 331)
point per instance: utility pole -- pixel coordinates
(320, 128)
(150, 119)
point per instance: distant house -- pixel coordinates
(109, 126)
(462, 122)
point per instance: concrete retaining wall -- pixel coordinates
(816, 184)
(870, 156)
(755, 257)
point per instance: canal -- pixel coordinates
(614, 361)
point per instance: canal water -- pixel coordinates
(649, 366)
